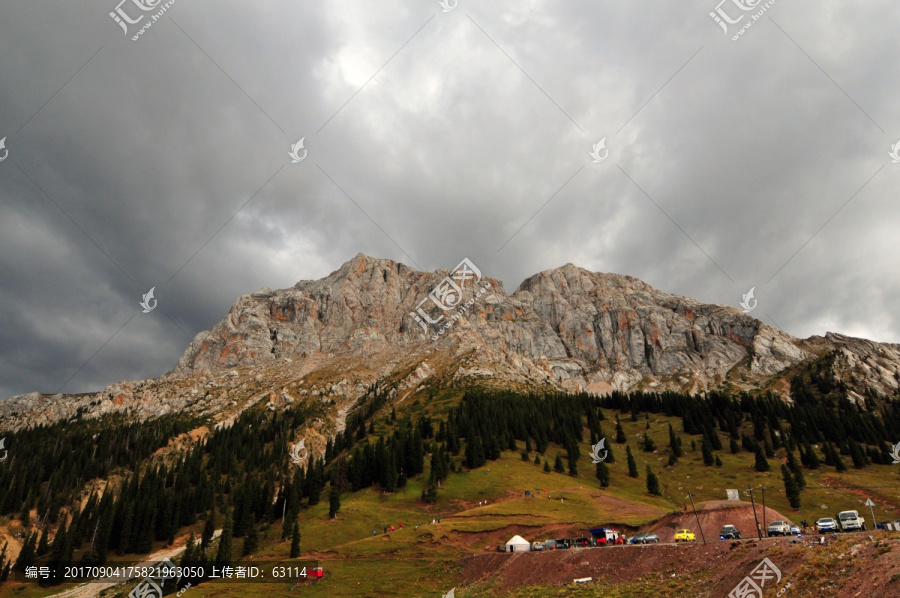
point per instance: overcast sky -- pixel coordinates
(434, 135)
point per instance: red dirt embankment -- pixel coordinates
(846, 565)
(713, 516)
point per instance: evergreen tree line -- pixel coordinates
(864, 432)
(48, 466)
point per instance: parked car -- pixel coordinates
(729, 532)
(778, 528)
(644, 538)
(684, 535)
(795, 530)
(537, 546)
(826, 524)
(850, 520)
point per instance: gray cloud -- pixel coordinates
(168, 156)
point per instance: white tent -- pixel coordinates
(518, 544)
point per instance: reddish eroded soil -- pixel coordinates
(846, 565)
(713, 516)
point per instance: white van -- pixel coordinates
(850, 520)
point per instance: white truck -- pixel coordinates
(850, 520)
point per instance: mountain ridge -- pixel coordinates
(563, 329)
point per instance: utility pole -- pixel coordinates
(697, 517)
(764, 505)
(755, 518)
(871, 506)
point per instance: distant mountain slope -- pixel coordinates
(565, 329)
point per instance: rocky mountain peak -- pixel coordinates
(578, 328)
(374, 319)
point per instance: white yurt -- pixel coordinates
(518, 544)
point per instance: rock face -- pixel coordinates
(588, 328)
(325, 342)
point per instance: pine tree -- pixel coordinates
(191, 551)
(546, 466)
(790, 487)
(620, 433)
(43, 545)
(839, 465)
(26, 555)
(857, 455)
(761, 463)
(429, 493)
(295, 541)
(796, 470)
(558, 466)
(209, 529)
(632, 465)
(652, 483)
(334, 502)
(537, 459)
(674, 444)
(223, 556)
(251, 540)
(706, 448)
(603, 474)
(770, 451)
(734, 447)
(812, 458)
(649, 445)
(718, 461)
(316, 482)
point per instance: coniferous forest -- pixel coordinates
(241, 477)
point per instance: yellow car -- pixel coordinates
(684, 535)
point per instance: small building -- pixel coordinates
(518, 544)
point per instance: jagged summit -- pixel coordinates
(565, 328)
(585, 327)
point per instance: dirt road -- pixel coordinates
(90, 590)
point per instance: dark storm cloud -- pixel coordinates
(433, 136)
